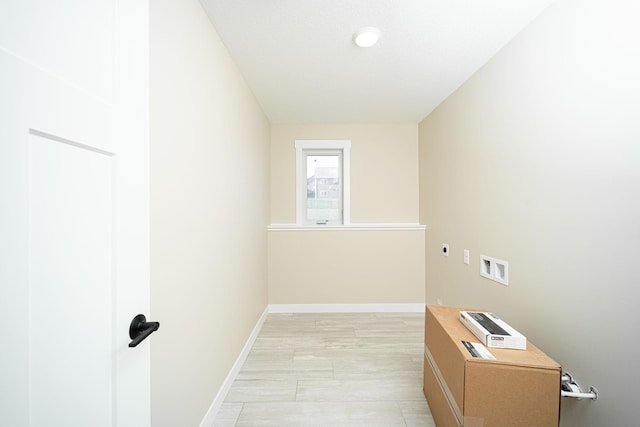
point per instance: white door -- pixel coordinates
(73, 212)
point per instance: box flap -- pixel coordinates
(512, 395)
(448, 317)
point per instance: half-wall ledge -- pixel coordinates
(349, 227)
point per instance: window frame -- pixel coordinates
(322, 147)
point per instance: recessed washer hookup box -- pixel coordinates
(493, 331)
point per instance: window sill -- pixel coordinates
(350, 227)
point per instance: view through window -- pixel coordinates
(323, 189)
(322, 182)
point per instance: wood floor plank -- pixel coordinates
(303, 414)
(337, 369)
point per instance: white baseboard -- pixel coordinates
(233, 373)
(346, 308)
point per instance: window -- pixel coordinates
(322, 182)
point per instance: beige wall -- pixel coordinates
(209, 212)
(384, 170)
(536, 160)
(356, 266)
(346, 267)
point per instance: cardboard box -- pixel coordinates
(507, 337)
(518, 388)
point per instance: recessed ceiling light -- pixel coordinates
(366, 36)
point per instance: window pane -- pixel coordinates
(323, 188)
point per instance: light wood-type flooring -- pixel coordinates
(354, 369)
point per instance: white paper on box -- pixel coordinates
(493, 331)
(478, 350)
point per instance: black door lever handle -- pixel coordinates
(141, 329)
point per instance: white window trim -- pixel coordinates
(301, 191)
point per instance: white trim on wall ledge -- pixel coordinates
(350, 227)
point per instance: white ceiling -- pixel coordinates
(299, 59)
